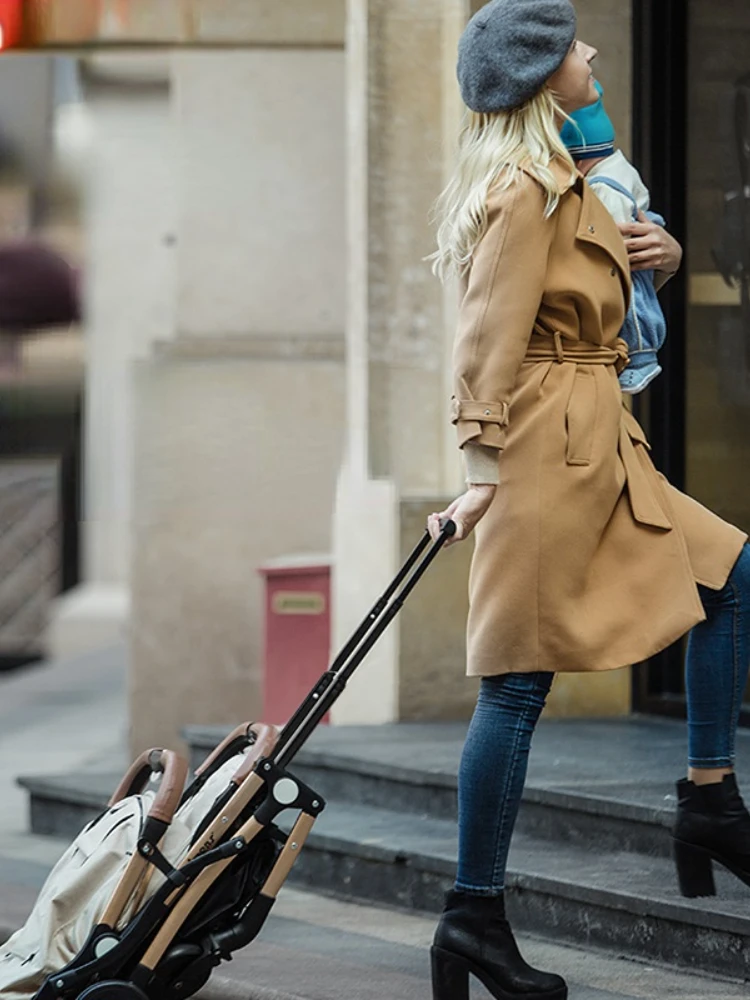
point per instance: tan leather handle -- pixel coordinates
(174, 770)
(265, 741)
(241, 732)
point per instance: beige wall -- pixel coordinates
(240, 415)
(291, 22)
(261, 225)
(607, 25)
(232, 22)
(228, 474)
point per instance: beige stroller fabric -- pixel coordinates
(79, 887)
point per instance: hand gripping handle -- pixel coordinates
(174, 770)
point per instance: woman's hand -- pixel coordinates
(467, 511)
(650, 246)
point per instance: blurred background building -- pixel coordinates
(263, 370)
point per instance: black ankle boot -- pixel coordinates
(712, 825)
(474, 937)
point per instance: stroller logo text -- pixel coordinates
(207, 844)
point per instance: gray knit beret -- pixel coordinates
(510, 48)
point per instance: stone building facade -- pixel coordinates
(268, 354)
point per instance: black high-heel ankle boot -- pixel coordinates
(473, 937)
(712, 825)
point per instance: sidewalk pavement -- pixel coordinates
(58, 717)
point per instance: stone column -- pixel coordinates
(403, 109)
(240, 415)
(129, 219)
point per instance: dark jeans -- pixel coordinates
(496, 752)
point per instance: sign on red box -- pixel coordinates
(11, 23)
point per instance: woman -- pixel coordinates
(586, 558)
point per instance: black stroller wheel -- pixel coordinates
(112, 990)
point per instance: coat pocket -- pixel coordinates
(580, 418)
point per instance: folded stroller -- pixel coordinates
(166, 884)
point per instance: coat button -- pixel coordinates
(613, 272)
(487, 413)
(592, 229)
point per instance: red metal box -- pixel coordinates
(297, 631)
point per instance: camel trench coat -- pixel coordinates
(588, 559)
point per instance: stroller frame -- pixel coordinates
(238, 850)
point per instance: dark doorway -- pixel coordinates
(687, 59)
(40, 491)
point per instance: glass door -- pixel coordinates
(718, 237)
(692, 132)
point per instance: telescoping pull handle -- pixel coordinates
(332, 683)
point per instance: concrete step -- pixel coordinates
(420, 778)
(60, 805)
(617, 900)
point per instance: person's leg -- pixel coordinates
(712, 822)
(473, 936)
(716, 671)
(492, 775)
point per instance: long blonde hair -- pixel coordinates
(490, 145)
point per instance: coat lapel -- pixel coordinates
(595, 225)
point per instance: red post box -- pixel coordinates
(297, 631)
(11, 23)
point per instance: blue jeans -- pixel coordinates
(716, 666)
(496, 753)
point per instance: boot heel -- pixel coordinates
(694, 870)
(450, 976)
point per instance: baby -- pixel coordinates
(591, 136)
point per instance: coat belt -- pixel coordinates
(554, 347)
(644, 488)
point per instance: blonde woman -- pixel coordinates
(586, 559)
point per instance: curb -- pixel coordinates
(222, 988)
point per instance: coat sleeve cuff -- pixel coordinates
(481, 464)
(480, 422)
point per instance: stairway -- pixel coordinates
(590, 859)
